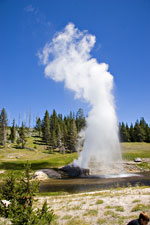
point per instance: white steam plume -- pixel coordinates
(67, 58)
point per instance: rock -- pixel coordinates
(75, 171)
(52, 173)
(40, 175)
(5, 221)
(2, 171)
(137, 160)
(6, 203)
(45, 174)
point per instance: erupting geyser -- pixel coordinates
(67, 58)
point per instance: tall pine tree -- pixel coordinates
(13, 133)
(72, 136)
(38, 126)
(22, 135)
(3, 127)
(46, 128)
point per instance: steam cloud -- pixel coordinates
(67, 58)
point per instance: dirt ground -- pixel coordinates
(116, 206)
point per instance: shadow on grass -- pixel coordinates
(38, 142)
(34, 165)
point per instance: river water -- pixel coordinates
(94, 183)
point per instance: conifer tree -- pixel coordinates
(3, 127)
(65, 136)
(131, 131)
(53, 142)
(124, 134)
(80, 120)
(22, 135)
(53, 121)
(139, 131)
(147, 132)
(13, 133)
(38, 126)
(46, 128)
(21, 198)
(59, 136)
(72, 136)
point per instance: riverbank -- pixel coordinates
(115, 206)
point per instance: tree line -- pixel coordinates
(139, 132)
(55, 130)
(61, 132)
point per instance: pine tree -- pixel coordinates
(142, 123)
(80, 120)
(65, 136)
(46, 128)
(132, 135)
(147, 132)
(21, 198)
(53, 140)
(127, 133)
(3, 127)
(139, 131)
(53, 121)
(59, 136)
(124, 134)
(13, 133)
(22, 135)
(72, 136)
(38, 126)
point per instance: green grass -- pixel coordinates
(136, 201)
(76, 207)
(111, 213)
(134, 150)
(140, 207)
(144, 165)
(12, 159)
(117, 208)
(66, 217)
(54, 160)
(17, 166)
(75, 221)
(91, 212)
(101, 221)
(99, 201)
(46, 194)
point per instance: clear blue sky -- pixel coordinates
(122, 30)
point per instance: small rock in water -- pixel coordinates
(40, 175)
(52, 173)
(137, 160)
(45, 174)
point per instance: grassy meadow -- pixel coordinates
(13, 158)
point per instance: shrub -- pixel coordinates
(20, 197)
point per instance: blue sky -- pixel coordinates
(122, 30)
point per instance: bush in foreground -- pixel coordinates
(17, 198)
